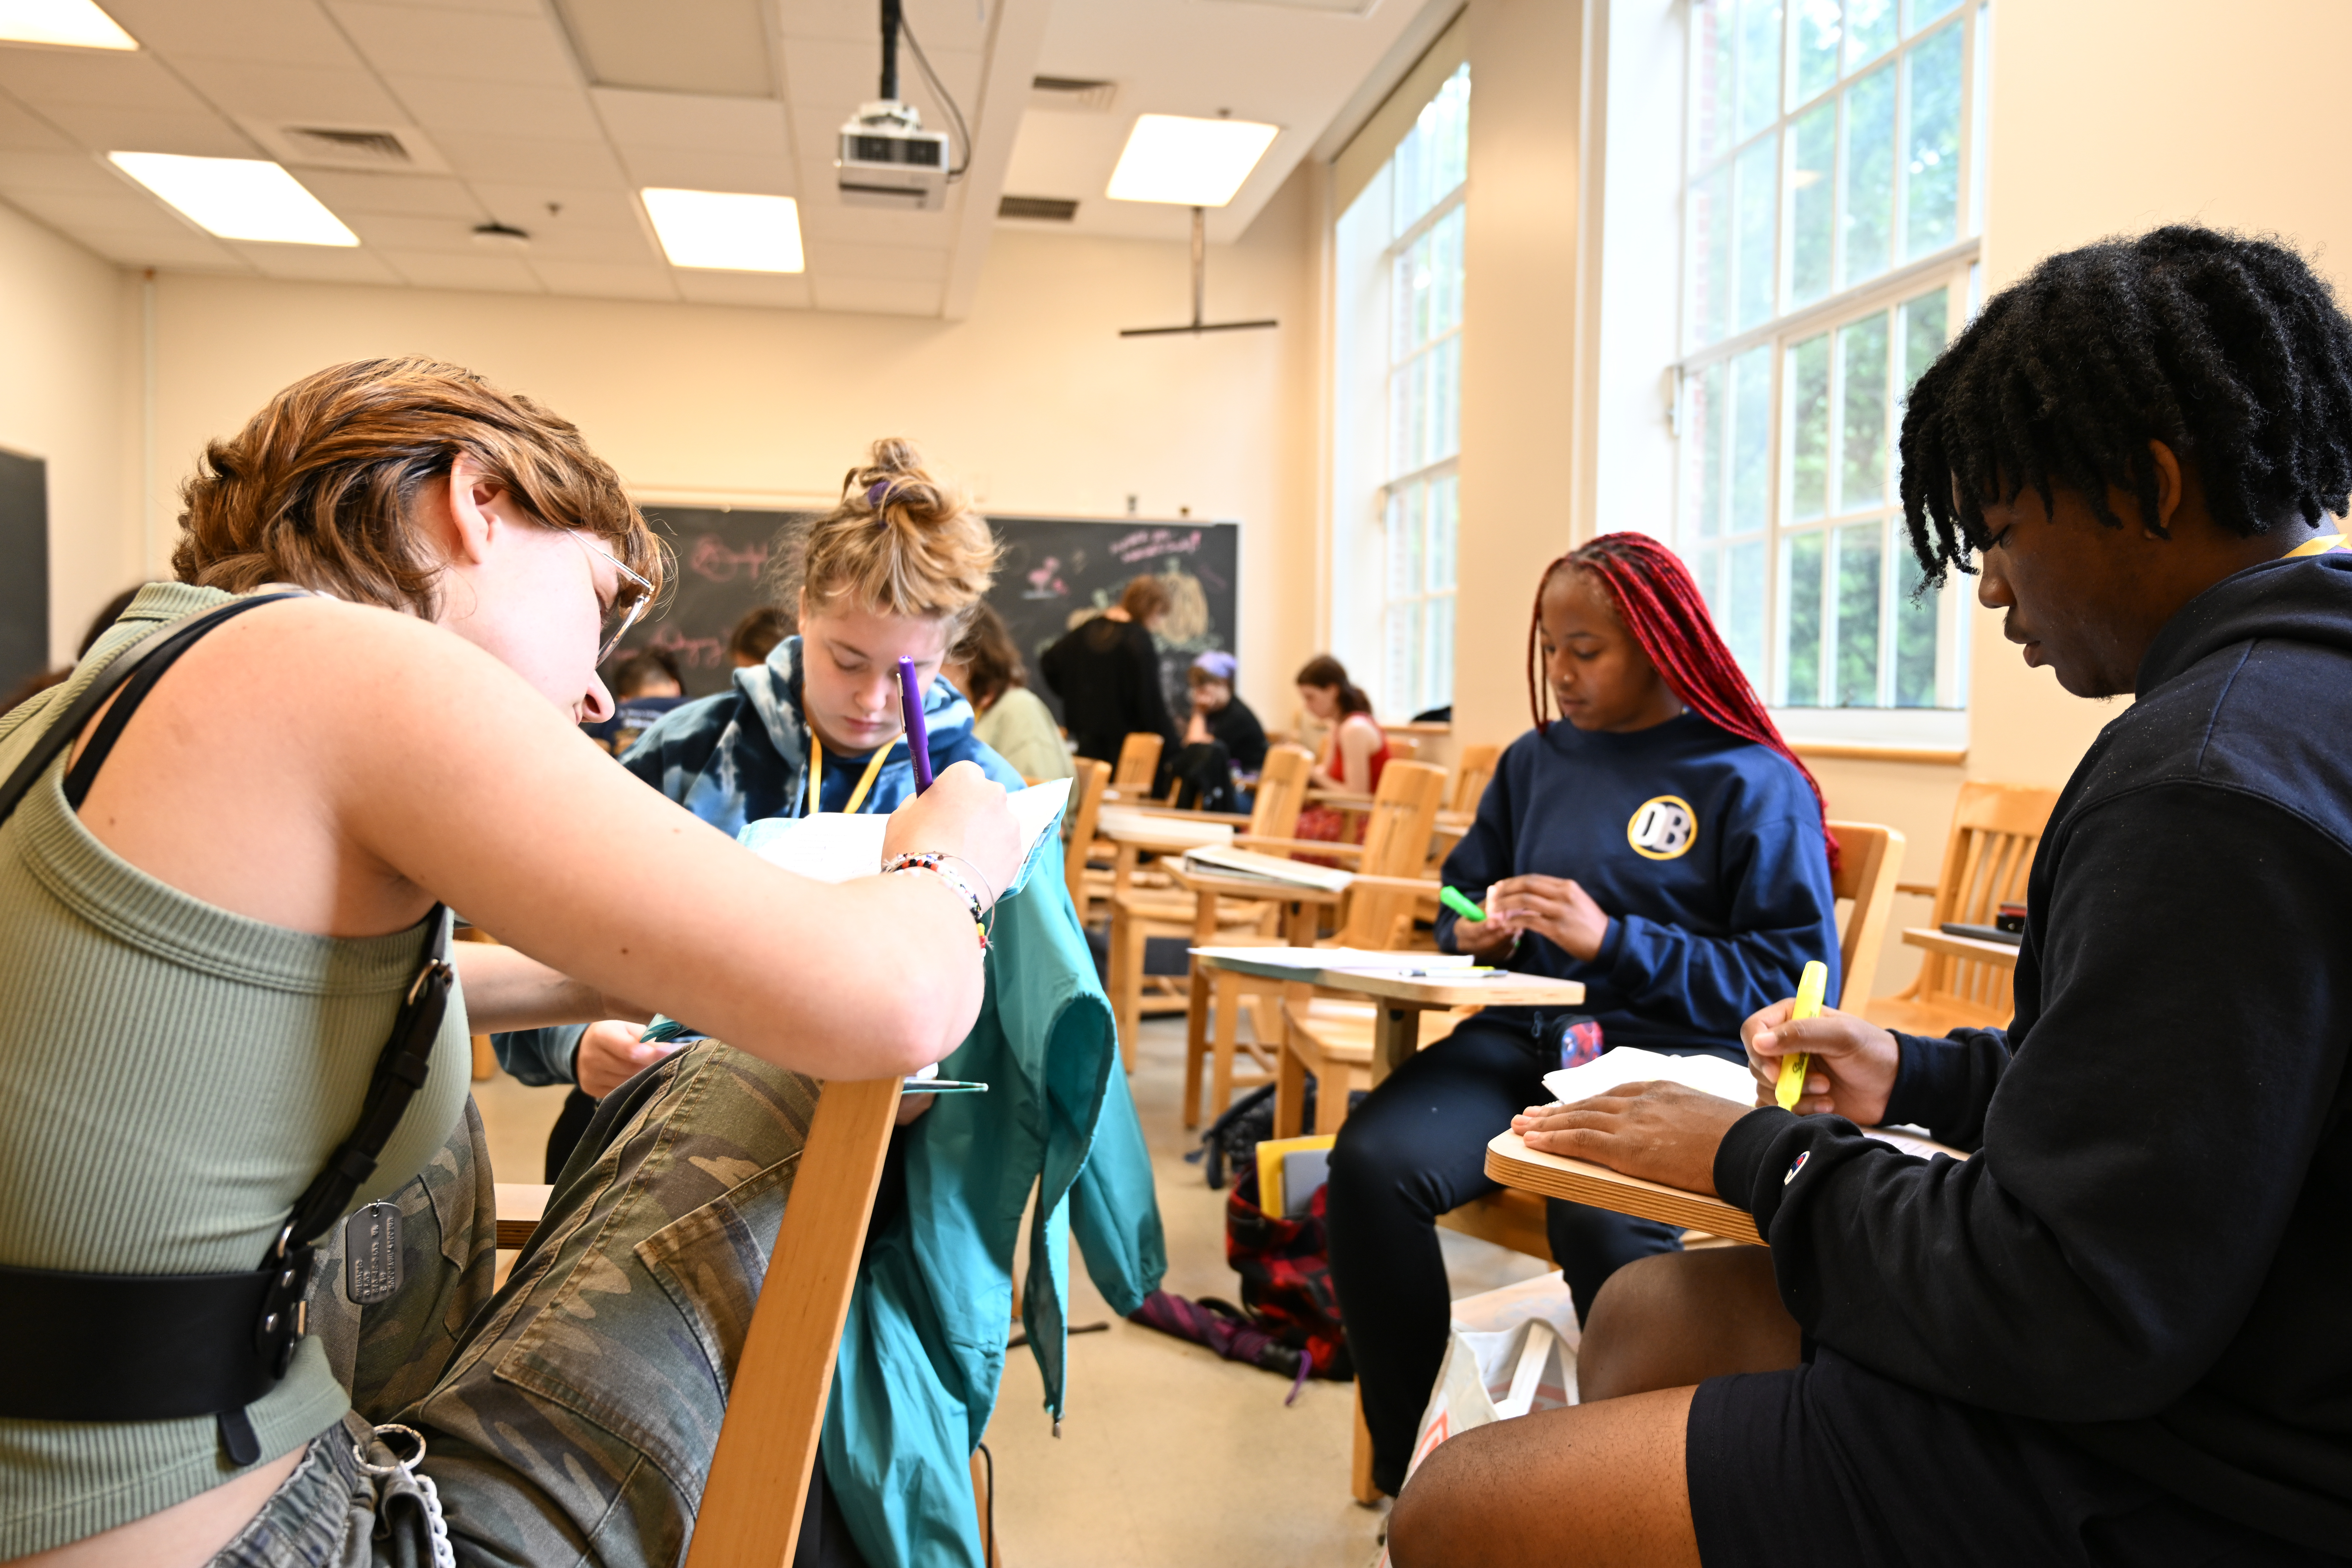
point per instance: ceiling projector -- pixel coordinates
(888, 160)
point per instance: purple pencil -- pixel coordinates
(918, 742)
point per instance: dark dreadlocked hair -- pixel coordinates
(2229, 350)
(1668, 620)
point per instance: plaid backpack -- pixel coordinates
(1285, 1269)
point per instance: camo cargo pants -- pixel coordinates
(571, 1417)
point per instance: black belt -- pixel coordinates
(160, 1347)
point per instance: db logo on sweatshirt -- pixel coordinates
(1663, 828)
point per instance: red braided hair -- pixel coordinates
(1660, 606)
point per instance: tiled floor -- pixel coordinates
(1168, 1455)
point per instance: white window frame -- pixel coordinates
(1957, 267)
(1367, 496)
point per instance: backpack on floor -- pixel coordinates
(1285, 1269)
(1232, 1138)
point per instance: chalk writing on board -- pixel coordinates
(691, 653)
(1151, 544)
(711, 557)
(1046, 581)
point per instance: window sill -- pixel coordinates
(1876, 730)
(1920, 756)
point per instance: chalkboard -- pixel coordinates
(25, 586)
(1056, 572)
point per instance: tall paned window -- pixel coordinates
(1401, 243)
(1831, 217)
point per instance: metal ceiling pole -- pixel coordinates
(891, 25)
(1200, 266)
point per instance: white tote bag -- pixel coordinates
(1512, 1351)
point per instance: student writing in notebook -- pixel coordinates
(2114, 1336)
(896, 568)
(1662, 846)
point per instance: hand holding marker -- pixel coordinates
(1452, 899)
(918, 752)
(1793, 1069)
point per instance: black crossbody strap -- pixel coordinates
(119, 1347)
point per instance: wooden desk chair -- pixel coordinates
(1142, 913)
(1333, 1038)
(751, 1512)
(1139, 764)
(1871, 859)
(1087, 787)
(1471, 776)
(1996, 828)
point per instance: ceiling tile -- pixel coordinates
(42, 77)
(690, 119)
(829, 260)
(824, 216)
(881, 295)
(455, 109)
(178, 246)
(687, 169)
(524, 203)
(276, 32)
(122, 211)
(680, 46)
(619, 247)
(504, 7)
(293, 94)
(462, 44)
(599, 281)
(829, 81)
(315, 263)
(511, 159)
(408, 196)
(788, 291)
(434, 269)
(116, 129)
(21, 130)
(62, 172)
(396, 231)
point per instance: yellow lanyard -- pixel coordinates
(816, 776)
(2321, 545)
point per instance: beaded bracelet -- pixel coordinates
(934, 862)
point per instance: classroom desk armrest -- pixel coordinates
(1917, 890)
(1422, 886)
(1298, 846)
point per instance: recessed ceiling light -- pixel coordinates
(237, 198)
(1191, 163)
(729, 231)
(74, 24)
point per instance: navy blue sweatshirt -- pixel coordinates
(1705, 851)
(2153, 1250)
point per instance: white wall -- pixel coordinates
(64, 325)
(1035, 402)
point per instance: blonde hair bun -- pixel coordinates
(900, 543)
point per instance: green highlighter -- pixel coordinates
(1452, 899)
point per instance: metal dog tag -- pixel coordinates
(372, 1254)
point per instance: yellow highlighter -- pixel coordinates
(1793, 1069)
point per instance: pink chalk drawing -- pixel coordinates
(1151, 544)
(1045, 582)
(712, 559)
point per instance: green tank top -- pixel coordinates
(172, 1077)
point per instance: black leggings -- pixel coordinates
(1414, 1149)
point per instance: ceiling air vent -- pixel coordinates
(386, 149)
(1081, 94)
(1039, 209)
(327, 144)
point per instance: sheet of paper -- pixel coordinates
(1709, 1075)
(832, 846)
(1127, 819)
(1273, 868)
(1631, 1064)
(1357, 959)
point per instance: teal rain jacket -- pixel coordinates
(923, 1348)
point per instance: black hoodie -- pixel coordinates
(2152, 1250)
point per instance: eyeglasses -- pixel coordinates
(629, 602)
